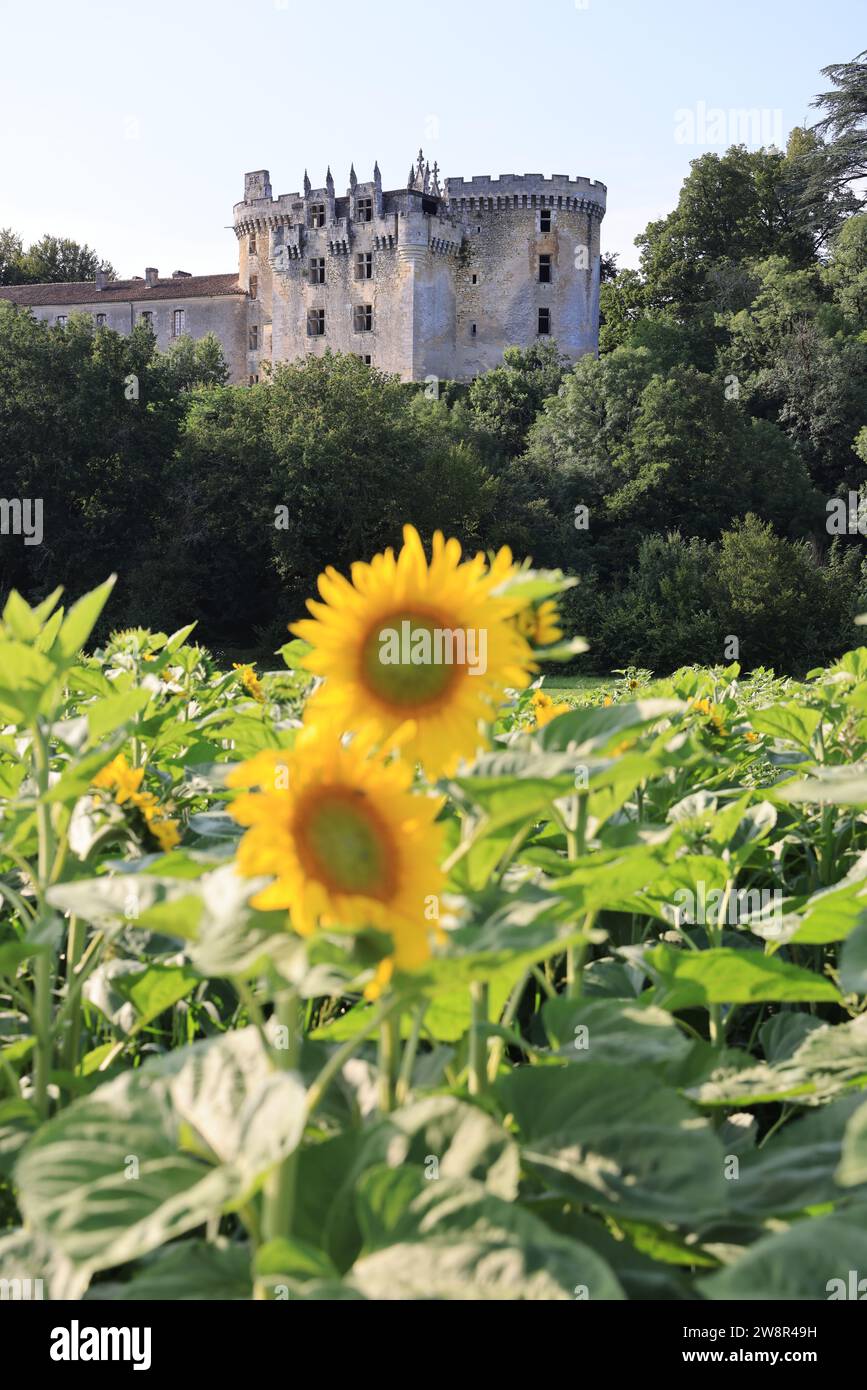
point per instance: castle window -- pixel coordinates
(364, 265)
(100, 320)
(362, 318)
(475, 279)
(315, 323)
(61, 320)
(254, 286)
(317, 270)
(365, 210)
(254, 337)
(544, 321)
(317, 214)
(473, 329)
(544, 270)
(545, 220)
(178, 322)
(251, 244)
(368, 360)
(254, 379)
(147, 317)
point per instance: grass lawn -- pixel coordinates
(570, 687)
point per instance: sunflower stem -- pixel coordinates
(281, 1182)
(389, 1047)
(404, 1079)
(478, 1048)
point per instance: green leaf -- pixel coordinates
(835, 786)
(81, 620)
(612, 1030)
(294, 652)
(797, 1167)
(18, 1120)
(294, 1258)
(722, 975)
(453, 1240)
(104, 716)
(593, 728)
(810, 1261)
(853, 1156)
(156, 988)
(853, 959)
(191, 1269)
(830, 1060)
(795, 722)
(159, 1150)
(618, 1139)
(25, 676)
(19, 617)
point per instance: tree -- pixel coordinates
(506, 401)
(11, 254)
(52, 260)
(651, 450)
(845, 121)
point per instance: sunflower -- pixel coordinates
(544, 709)
(408, 640)
(250, 681)
(346, 841)
(126, 782)
(540, 624)
(119, 777)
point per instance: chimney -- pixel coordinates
(151, 275)
(100, 279)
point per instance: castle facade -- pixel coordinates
(427, 281)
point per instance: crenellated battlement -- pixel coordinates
(430, 276)
(456, 196)
(519, 191)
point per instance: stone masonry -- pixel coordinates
(426, 281)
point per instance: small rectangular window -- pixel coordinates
(254, 286)
(365, 210)
(545, 220)
(254, 337)
(473, 329)
(61, 320)
(178, 319)
(368, 360)
(362, 318)
(475, 279)
(254, 378)
(544, 270)
(364, 265)
(251, 244)
(317, 214)
(544, 321)
(317, 270)
(315, 323)
(100, 320)
(147, 317)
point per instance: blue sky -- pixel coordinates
(130, 125)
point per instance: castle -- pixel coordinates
(424, 281)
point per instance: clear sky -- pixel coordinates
(130, 125)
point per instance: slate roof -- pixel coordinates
(122, 291)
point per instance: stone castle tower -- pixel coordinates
(426, 280)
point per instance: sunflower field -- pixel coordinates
(383, 977)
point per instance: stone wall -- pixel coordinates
(456, 273)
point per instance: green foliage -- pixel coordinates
(51, 260)
(593, 1080)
